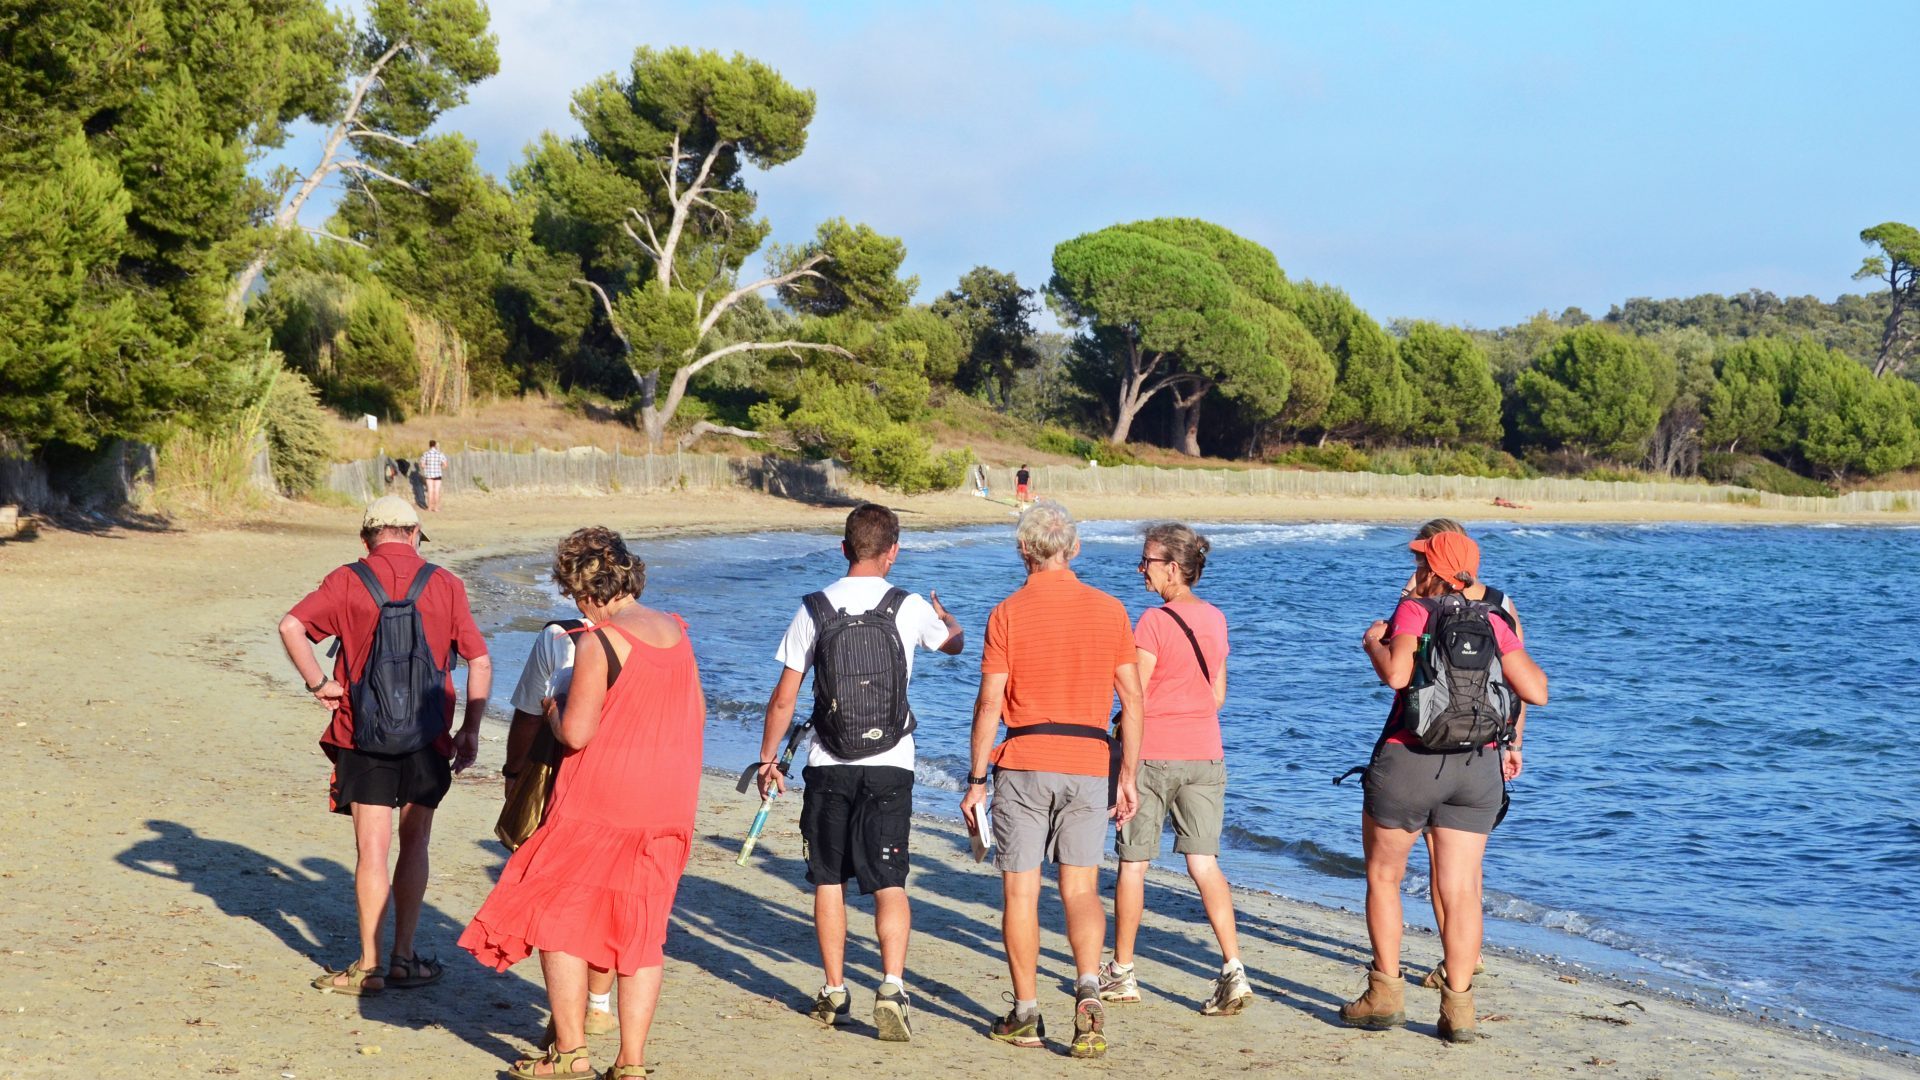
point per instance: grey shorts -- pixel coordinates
(1039, 816)
(1193, 792)
(1416, 790)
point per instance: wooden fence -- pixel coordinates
(587, 469)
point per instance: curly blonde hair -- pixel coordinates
(594, 564)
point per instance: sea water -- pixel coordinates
(1723, 797)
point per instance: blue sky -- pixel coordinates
(1472, 165)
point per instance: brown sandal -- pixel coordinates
(560, 1061)
(356, 984)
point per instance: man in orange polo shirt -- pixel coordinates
(1056, 653)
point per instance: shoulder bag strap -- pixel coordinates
(613, 659)
(1197, 654)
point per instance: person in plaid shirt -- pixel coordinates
(433, 465)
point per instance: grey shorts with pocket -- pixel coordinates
(1041, 816)
(1416, 790)
(1193, 792)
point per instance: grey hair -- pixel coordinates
(1047, 531)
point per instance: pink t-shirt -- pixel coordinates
(1182, 723)
(1411, 618)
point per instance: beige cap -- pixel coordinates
(391, 512)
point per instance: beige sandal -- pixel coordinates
(560, 1061)
(356, 984)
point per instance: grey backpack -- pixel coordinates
(859, 677)
(1459, 698)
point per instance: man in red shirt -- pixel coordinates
(369, 786)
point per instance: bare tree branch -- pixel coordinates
(756, 346)
(356, 165)
(369, 133)
(334, 236)
(705, 427)
(805, 269)
(606, 306)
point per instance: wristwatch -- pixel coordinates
(977, 781)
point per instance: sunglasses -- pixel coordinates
(1144, 561)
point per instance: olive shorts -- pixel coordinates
(1193, 792)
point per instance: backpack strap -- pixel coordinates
(371, 581)
(1197, 654)
(1499, 601)
(890, 604)
(567, 626)
(419, 582)
(819, 608)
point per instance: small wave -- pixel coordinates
(1313, 856)
(942, 773)
(1232, 534)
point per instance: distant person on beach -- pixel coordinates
(1056, 653)
(1510, 759)
(857, 636)
(433, 466)
(1182, 646)
(392, 699)
(1023, 485)
(594, 885)
(538, 699)
(1431, 771)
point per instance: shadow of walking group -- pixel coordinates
(721, 928)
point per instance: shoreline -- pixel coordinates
(183, 942)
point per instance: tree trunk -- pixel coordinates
(1123, 427)
(1186, 424)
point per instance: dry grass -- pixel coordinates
(520, 424)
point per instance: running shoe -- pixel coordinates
(1117, 983)
(831, 1007)
(1230, 994)
(890, 1014)
(1029, 1032)
(1089, 1018)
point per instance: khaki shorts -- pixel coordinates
(1194, 792)
(1039, 816)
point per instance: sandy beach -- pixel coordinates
(173, 879)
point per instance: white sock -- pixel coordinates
(895, 980)
(603, 1002)
(1122, 968)
(841, 989)
(1232, 966)
(1023, 1007)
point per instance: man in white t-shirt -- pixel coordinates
(536, 697)
(857, 810)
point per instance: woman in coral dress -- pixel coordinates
(594, 885)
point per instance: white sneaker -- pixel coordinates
(1117, 983)
(1230, 994)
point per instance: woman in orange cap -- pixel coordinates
(1453, 796)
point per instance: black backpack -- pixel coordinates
(399, 701)
(1459, 698)
(859, 677)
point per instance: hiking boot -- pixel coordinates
(831, 1007)
(1117, 983)
(1230, 993)
(1027, 1031)
(1089, 1018)
(1456, 1015)
(600, 1021)
(1438, 976)
(890, 1016)
(1383, 1005)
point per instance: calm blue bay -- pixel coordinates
(1723, 798)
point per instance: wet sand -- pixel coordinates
(173, 879)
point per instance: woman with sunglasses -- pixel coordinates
(1183, 663)
(1453, 797)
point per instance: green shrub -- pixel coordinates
(299, 443)
(1334, 457)
(1058, 440)
(898, 456)
(1900, 505)
(1457, 461)
(1760, 474)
